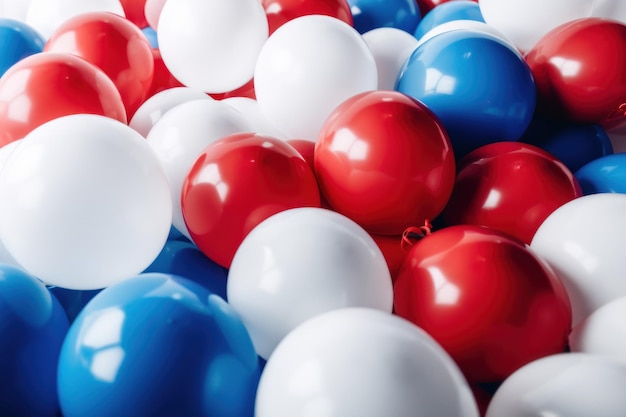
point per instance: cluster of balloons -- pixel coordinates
(273, 208)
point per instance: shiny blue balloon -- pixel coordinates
(17, 41)
(32, 328)
(151, 35)
(603, 175)
(157, 345)
(73, 301)
(373, 14)
(447, 12)
(478, 86)
(573, 144)
(186, 260)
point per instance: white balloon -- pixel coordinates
(180, 136)
(14, 9)
(359, 362)
(391, 48)
(584, 242)
(307, 67)
(603, 332)
(85, 202)
(259, 123)
(152, 12)
(212, 45)
(156, 106)
(47, 15)
(564, 385)
(466, 25)
(300, 263)
(5, 153)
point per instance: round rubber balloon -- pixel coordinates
(280, 12)
(371, 14)
(32, 328)
(235, 184)
(347, 362)
(590, 264)
(336, 265)
(308, 67)
(446, 12)
(567, 66)
(17, 41)
(182, 134)
(477, 85)
(74, 85)
(604, 175)
(163, 335)
(569, 384)
(85, 202)
(511, 187)
(391, 48)
(113, 44)
(490, 302)
(152, 11)
(219, 47)
(384, 160)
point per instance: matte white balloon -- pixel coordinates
(156, 106)
(251, 111)
(391, 48)
(300, 263)
(180, 136)
(584, 242)
(85, 202)
(564, 385)
(212, 45)
(466, 25)
(359, 362)
(307, 67)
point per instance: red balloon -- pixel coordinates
(280, 12)
(511, 187)
(306, 148)
(580, 71)
(427, 5)
(134, 11)
(236, 183)
(115, 45)
(384, 160)
(163, 78)
(48, 85)
(486, 298)
(393, 251)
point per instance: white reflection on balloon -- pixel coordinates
(493, 199)
(270, 278)
(567, 67)
(211, 175)
(439, 83)
(446, 292)
(103, 333)
(347, 142)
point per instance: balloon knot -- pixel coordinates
(414, 234)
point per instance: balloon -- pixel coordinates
(329, 263)
(218, 49)
(567, 65)
(511, 187)
(163, 78)
(182, 134)
(72, 301)
(85, 202)
(152, 11)
(391, 48)
(17, 41)
(583, 240)
(163, 335)
(151, 111)
(32, 326)
(134, 11)
(307, 68)
(465, 25)
(151, 35)
(394, 253)
(114, 45)
(385, 161)
(480, 88)
(569, 384)
(604, 175)
(5, 153)
(280, 12)
(361, 362)
(446, 12)
(47, 15)
(250, 109)
(490, 302)
(372, 14)
(71, 84)
(235, 184)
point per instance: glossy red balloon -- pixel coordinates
(236, 183)
(116, 46)
(489, 301)
(393, 251)
(48, 85)
(427, 5)
(134, 11)
(384, 160)
(163, 78)
(580, 71)
(280, 12)
(511, 187)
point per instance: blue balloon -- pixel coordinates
(573, 144)
(447, 12)
(32, 328)
(373, 14)
(157, 345)
(186, 260)
(151, 35)
(603, 175)
(73, 301)
(17, 41)
(478, 86)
